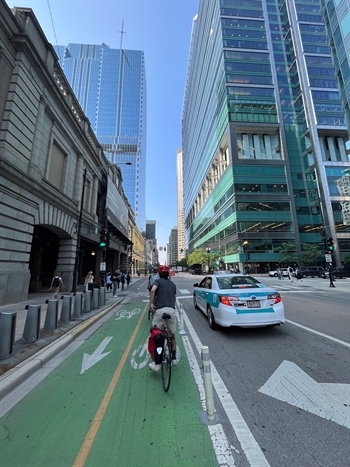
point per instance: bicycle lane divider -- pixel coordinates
(59, 410)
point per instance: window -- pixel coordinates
(56, 166)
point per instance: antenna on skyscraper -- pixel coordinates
(122, 32)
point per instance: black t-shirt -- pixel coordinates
(165, 293)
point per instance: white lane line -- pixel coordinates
(218, 438)
(334, 339)
(184, 291)
(187, 296)
(248, 443)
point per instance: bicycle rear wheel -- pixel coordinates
(166, 364)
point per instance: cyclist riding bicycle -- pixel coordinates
(163, 298)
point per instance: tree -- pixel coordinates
(198, 256)
(346, 258)
(310, 254)
(286, 251)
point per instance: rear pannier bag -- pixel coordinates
(156, 344)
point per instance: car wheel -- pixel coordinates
(195, 302)
(304, 275)
(275, 275)
(211, 319)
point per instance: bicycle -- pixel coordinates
(166, 361)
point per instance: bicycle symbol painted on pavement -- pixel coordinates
(121, 314)
(140, 356)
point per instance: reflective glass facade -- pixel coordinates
(110, 85)
(262, 124)
(337, 20)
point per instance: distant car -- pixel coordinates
(274, 272)
(312, 271)
(238, 300)
(172, 273)
(337, 272)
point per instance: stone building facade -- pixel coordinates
(47, 149)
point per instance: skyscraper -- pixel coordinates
(337, 20)
(110, 85)
(264, 134)
(180, 206)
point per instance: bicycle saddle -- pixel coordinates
(166, 316)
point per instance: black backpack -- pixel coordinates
(56, 282)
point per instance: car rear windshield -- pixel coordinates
(238, 282)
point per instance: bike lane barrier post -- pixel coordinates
(8, 321)
(87, 301)
(181, 312)
(51, 318)
(66, 309)
(78, 304)
(95, 295)
(102, 296)
(31, 330)
(208, 417)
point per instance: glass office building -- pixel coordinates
(263, 134)
(110, 85)
(337, 20)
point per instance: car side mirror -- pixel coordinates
(195, 285)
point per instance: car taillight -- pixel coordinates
(227, 300)
(276, 297)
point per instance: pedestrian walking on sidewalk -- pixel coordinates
(331, 276)
(290, 273)
(115, 281)
(122, 280)
(128, 279)
(109, 282)
(89, 278)
(56, 283)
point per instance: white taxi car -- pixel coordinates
(238, 300)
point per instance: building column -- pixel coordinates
(65, 262)
(33, 166)
(78, 179)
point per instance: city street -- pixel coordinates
(281, 394)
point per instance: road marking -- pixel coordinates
(291, 384)
(184, 291)
(96, 356)
(334, 339)
(120, 314)
(91, 435)
(189, 296)
(142, 352)
(248, 443)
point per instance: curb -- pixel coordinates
(16, 375)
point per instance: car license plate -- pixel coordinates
(253, 304)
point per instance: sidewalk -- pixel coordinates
(23, 351)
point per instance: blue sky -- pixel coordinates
(162, 29)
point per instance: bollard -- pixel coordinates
(95, 295)
(78, 304)
(51, 318)
(87, 301)
(181, 312)
(102, 296)
(66, 310)
(210, 417)
(31, 331)
(7, 333)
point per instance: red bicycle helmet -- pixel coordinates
(163, 269)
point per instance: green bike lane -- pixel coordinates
(112, 413)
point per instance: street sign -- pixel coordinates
(215, 252)
(102, 266)
(328, 258)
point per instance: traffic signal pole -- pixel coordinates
(77, 252)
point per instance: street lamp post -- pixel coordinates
(208, 256)
(80, 218)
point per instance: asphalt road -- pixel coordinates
(281, 394)
(290, 384)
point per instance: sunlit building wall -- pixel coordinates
(263, 134)
(180, 207)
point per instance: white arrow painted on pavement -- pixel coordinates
(90, 360)
(328, 400)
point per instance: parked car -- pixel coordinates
(339, 273)
(238, 300)
(274, 272)
(312, 271)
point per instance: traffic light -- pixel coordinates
(165, 248)
(330, 244)
(103, 238)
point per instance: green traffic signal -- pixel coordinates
(103, 238)
(330, 244)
